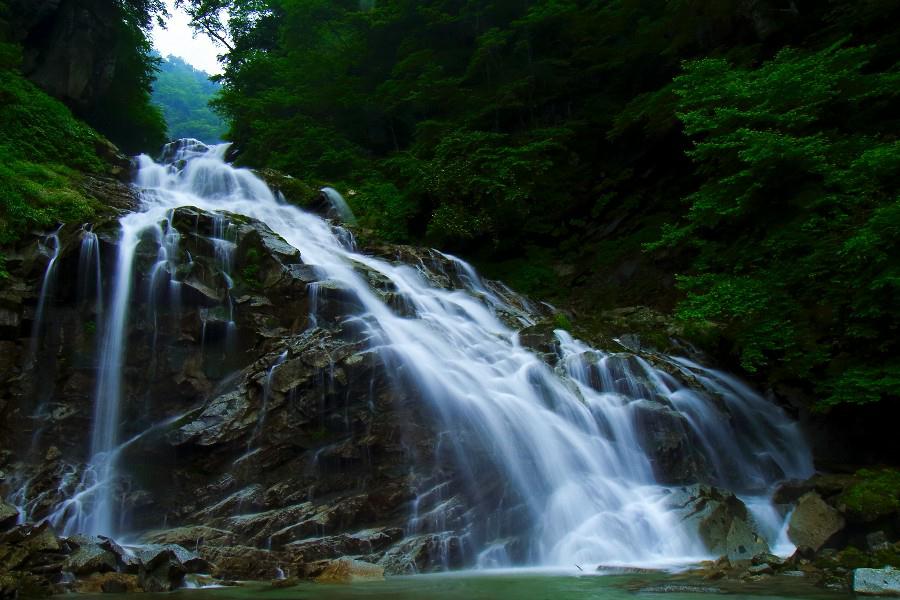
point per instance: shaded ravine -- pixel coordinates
(578, 486)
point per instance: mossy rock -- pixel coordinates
(873, 495)
(23, 585)
(639, 328)
(853, 558)
(295, 192)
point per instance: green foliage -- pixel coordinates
(37, 128)
(794, 227)
(484, 184)
(531, 273)
(183, 93)
(384, 209)
(562, 321)
(42, 149)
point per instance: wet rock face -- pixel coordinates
(249, 428)
(9, 515)
(670, 443)
(189, 330)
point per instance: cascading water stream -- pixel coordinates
(89, 275)
(562, 444)
(267, 390)
(339, 205)
(37, 329)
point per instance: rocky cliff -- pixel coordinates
(69, 46)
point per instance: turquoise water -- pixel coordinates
(503, 586)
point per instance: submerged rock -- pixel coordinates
(348, 570)
(680, 588)
(624, 570)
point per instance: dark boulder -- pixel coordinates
(164, 567)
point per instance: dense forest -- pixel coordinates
(183, 93)
(749, 148)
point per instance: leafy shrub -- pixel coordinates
(794, 226)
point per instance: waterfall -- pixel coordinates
(562, 444)
(339, 205)
(89, 276)
(51, 241)
(267, 390)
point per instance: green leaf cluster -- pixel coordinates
(46, 150)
